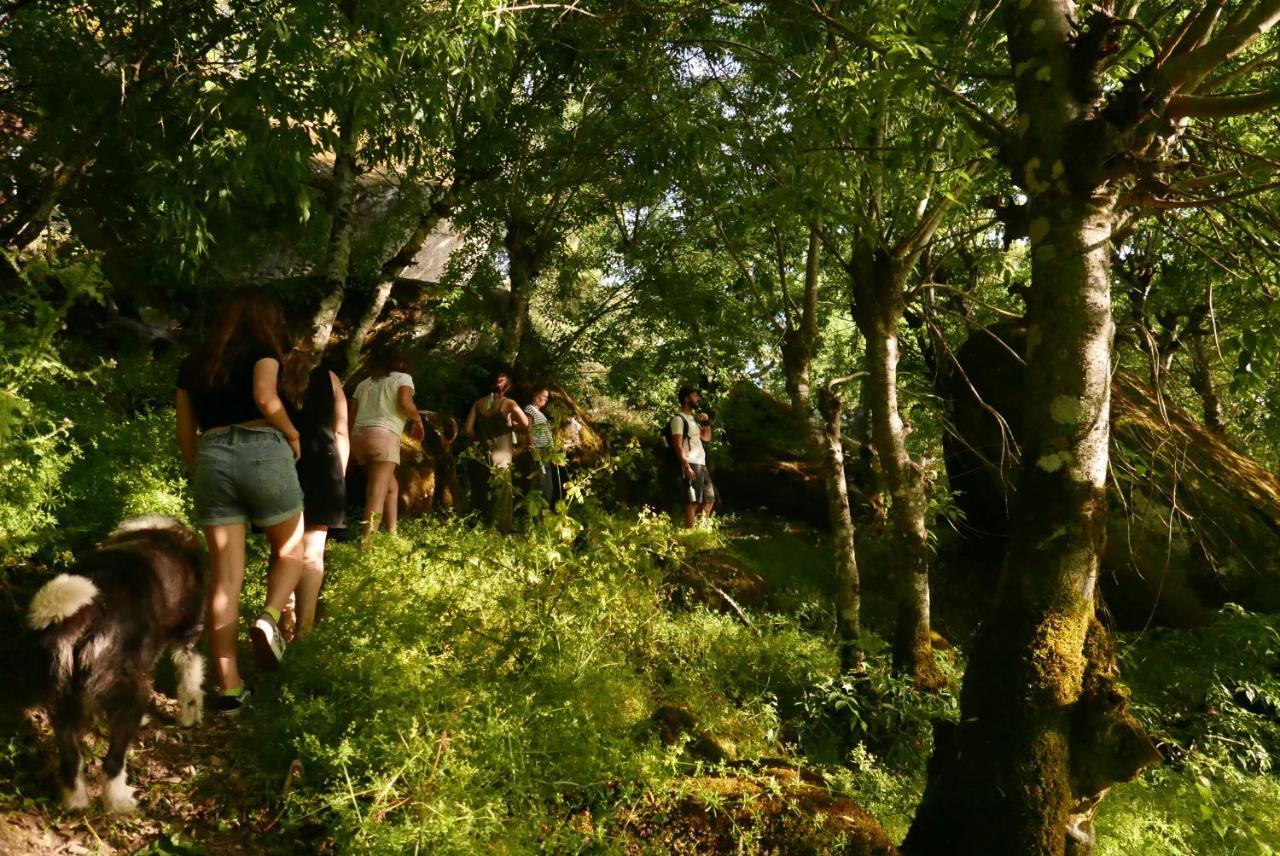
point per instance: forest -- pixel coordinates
(982, 302)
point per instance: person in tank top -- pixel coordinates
(317, 405)
(490, 423)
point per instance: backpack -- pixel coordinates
(664, 431)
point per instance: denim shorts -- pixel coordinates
(245, 474)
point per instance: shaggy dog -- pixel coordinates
(101, 629)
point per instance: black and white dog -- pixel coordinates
(103, 626)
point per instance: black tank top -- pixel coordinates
(492, 426)
(314, 419)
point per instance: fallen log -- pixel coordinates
(1194, 522)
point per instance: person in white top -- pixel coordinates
(688, 432)
(381, 404)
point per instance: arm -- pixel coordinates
(677, 443)
(187, 435)
(266, 375)
(516, 417)
(704, 427)
(405, 397)
(341, 430)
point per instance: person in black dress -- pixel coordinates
(318, 407)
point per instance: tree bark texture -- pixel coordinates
(341, 198)
(436, 211)
(527, 251)
(800, 339)
(1202, 382)
(848, 585)
(878, 280)
(1008, 783)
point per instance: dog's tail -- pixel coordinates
(58, 613)
(59, 599)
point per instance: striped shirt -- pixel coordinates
(540, 429)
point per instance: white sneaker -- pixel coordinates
(268, 643)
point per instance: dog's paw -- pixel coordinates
(117, 797)
(76, 798)
(190, 711)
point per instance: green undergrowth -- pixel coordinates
(1211, 699)
(470, 693)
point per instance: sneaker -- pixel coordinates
(231, 704)
(268, 643)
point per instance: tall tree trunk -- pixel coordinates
(1202, 382)
(341, 196)
(798, 343)
(878, 282)
(526, 254)
(799, 340)
(1007, 786)
(1014, 771)
(436, 211)
(848, 585)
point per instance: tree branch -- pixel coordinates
(1221, 106)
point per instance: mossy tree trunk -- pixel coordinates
(799, 341)
(878, 280)
(848, 584)
(1202, 382)
(800, 337)
(527, 249)
(1007, 786)
(340, 201)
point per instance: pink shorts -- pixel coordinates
(372, 443)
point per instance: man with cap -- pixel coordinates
(688, 432)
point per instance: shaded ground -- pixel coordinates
(194, 796)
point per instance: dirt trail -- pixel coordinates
(193, 796)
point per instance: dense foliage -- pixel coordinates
(800, 207)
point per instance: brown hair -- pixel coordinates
(296, 368)
(386, 363)
(249, 317)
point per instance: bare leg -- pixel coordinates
(226, 566)
(313, 540)
(392, 506)
(706, 509)
(690, 513)
(286, 561)
(375, 495)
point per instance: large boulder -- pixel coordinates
(1194, 522)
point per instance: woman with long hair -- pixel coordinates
(239, 446)
(318, 407)
(490, 422)
(379, 407)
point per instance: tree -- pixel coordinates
(1090, 135)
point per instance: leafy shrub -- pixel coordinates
(1210, 697)
(35, 450)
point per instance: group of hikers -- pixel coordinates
(266, 435)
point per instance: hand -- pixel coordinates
(296, 445)
(416, 431)
(688, 472)
(703, 418)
